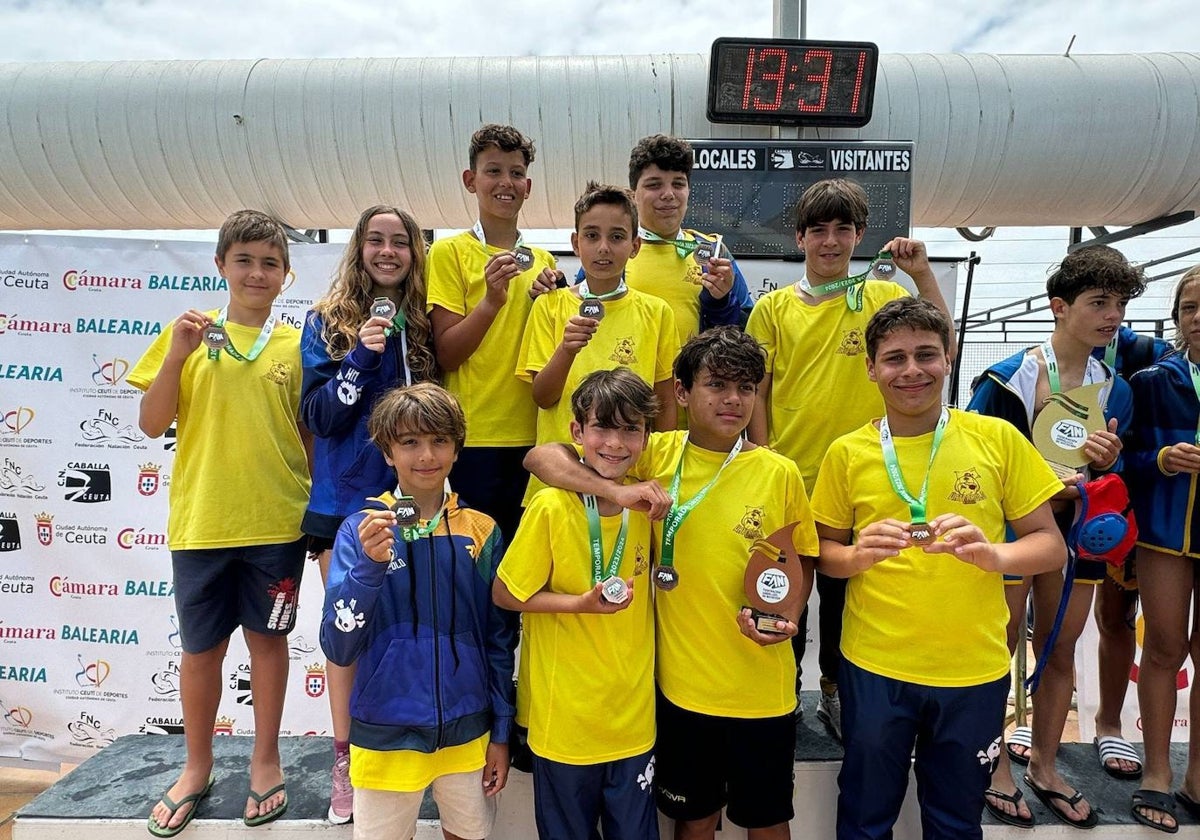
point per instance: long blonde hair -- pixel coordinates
(347, 304)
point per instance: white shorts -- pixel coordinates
(464, 810)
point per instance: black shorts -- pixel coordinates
(219, 589)
(704, 763)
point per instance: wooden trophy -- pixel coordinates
(778, 580)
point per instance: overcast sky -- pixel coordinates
(169, 29)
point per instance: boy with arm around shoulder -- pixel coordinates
(409, 600)
(234, 563)
(579, 568)
(726, 702)
(925, 567)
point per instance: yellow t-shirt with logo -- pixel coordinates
(705, 664)
(499, 407)
(240, 476)
(659, 270)
(407, 771)
(931, 619)
(587, 686)
(637, 332)
(816, 356)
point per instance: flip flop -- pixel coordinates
(1049, 797)
(192, 799)
(1159, 801)
(1022, 736)
(1003, 816)
(1190, 805)
(273, 814)
(1111, 747)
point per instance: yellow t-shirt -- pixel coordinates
(637, 331)
(499, 406)
(931, 619)
(816, 356)
(241, 475)
(659, 270)
(408, 770)
(705, 664)
(587, 693)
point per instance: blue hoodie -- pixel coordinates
(434, 654)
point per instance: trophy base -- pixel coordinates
(765, 622)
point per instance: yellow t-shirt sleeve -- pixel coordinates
(830, 502)
(446, 285)
(147, 367)
(761, 327)
(543, 334)
(668, 347)
(1031, 481)
(525, 568)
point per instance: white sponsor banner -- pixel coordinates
(89, 643)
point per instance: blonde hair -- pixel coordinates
(425, 409)
(1192, 274)
(347, 303)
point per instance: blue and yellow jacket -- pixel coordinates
(1167, 413)
(434, 654)
(335, 401)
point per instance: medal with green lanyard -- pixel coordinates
(666, 577)
(593, 304)
(701, 250)
(919, 531)
(383, 307)
(615, 590)
(881, 268)
(408, 517)
(216, 338)
(521, 253)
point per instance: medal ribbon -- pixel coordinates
(1110, 353)
(264, 336)
(596, 541)
(679, 512)
(916, 506)
(1195, 372)
(853, 284)
(477, 229)
(683, 247)
(1051, 367)
(587, 293)
(412, 533)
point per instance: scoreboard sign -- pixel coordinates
(747, 190)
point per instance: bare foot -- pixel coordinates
(262, 779)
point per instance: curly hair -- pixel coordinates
(503, 137)
(347, 303)
(725, 351)
(1095, 267)
(670, 154)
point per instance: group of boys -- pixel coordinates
(635, 692)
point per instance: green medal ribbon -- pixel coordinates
(412, 533)
(1051, 367)
(264, 336)
(683, 247)
(587, 293)
(398, 324)
(854, 284)
(1195, 372)
(916, 506)
(596, 541)
(1110, 352)
(679, 512)
(477, 229)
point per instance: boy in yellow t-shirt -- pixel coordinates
(481, 285)
(726, 703)
(579, 570)
(232, 380)
(911, 508)
(816, 387)
(598, 324)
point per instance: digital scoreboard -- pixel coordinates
(786, 82)
(747, 190)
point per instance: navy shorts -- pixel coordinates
(956, 733)
(492, 479)
(705, 763)
(218, 590)
(571, 800)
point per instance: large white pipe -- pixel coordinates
(1000, 140)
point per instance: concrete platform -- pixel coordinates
(109, 796)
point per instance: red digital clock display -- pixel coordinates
(784, 82)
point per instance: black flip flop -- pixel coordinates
(1190, 805)
(1004, 817)
(1049, 797)
(1159, 801)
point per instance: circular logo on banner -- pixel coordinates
(1068, 434)
(772, 586)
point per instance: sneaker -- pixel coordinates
(341, 799)
(829, 710)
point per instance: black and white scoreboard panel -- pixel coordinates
(747, 190)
